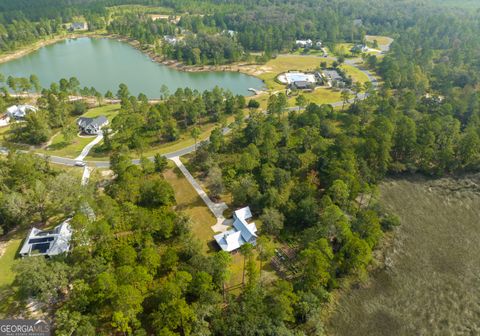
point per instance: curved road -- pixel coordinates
(192, 148)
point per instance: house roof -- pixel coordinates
(52, 242)
(20, 110)
(241, 233)
(301, 84)
(98, 122)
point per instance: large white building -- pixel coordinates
(242, 232)
(48, 243)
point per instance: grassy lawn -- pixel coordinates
(58, 146)
(6, 261)
(109, 111)
(190, 203)
(343, 49)
(382, 40)
(357, 75)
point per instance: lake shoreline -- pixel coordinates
(245, 68)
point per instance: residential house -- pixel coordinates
(20, 111)
(242, 232)
(78, 26)
(359, 48)
(48, 243)
(92, 126)
(170, 39)
(304, 43)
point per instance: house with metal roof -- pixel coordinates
(241, 233)
(48, 243)
(20, 111)
(92, 126)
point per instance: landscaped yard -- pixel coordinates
(190, 203)
(109, 111)
(58, 147)
(356, 74)
(381, 40)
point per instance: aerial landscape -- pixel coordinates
(239, 167)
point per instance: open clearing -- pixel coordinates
(431, 285)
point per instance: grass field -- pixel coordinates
(431, 284)
(58, 147)
(343, 49)
(6, 261)
(109, 111)
(189, 202)
(382, 40)
(357, 75)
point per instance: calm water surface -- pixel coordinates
(105, 63)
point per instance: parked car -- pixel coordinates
(80, 163)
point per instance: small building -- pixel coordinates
(359, 48)
(48, 243)
(304, 43)
(333, 78)
(301, 85)
(92, 126)
(20, 111)
(170, 39)
(242, 232)
(78, 26)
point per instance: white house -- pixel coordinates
(92, 126)
(48, 243)
(304, 43)
(170, 39)
(20, 111)
(242, 232)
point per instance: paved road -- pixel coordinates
(187, 149)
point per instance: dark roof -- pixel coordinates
(98, 121)
(301, 84)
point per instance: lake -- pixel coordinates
(105, 63)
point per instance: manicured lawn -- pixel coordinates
(357, 75)
(189, 202)
(382, 40)
(60, 148)
(6, 262)
(109, 111)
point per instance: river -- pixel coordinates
(105, 63)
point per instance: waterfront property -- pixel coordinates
(90, 61)
(20, 111)
(92, 126)
(78, 26)
(242, 232)
(48, 243)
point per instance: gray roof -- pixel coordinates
(98, 121)
(333, 74)
(301, 84)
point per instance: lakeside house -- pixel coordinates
(20, 111)
(242, 232)
(78, 26)
(170, 39)
(92, 126)
(48, 243)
